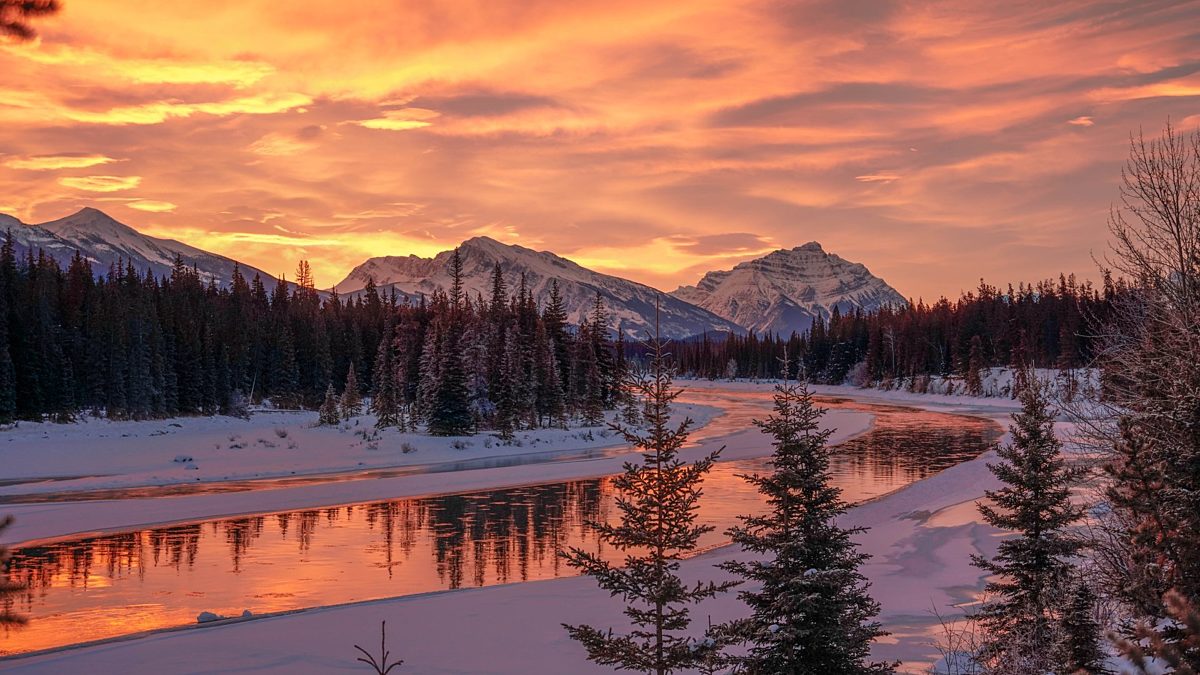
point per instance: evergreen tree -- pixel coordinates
(1081, 653)
(975, 366)
(811, 613)
(1032, 569)
(328, 414)
(658, 501)
(351, 401)
(385, 403)
(451, 411)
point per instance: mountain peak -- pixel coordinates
(812, 246)
(782, 292)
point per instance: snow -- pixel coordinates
(998, 383)
(102, 455)
(920, 538)
(785, 290)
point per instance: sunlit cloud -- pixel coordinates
(101, 183)
(238, 73)
(632, 137)
(151, 205)
(400, 120)
(877, 178)
(54, 162)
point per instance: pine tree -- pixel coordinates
(975, 366)
(385, 403)
(1033, 569)
(658, 501)
(328, 414)
(812, 613)
(351, 402)
(451, 411)
(1080, 649)
(8, 589)
(8, 377)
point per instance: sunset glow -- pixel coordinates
(936, 143)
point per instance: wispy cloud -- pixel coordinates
(101, 183)
(54, 162)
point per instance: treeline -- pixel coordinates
(133, 346)
(1041, 325)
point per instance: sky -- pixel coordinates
(936, 142)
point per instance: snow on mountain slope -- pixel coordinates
(786, 289)
(629, 303)
(105, 241)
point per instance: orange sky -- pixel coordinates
(934, 142)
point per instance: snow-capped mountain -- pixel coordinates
(631, 304)
(105, 241)
(785, 290)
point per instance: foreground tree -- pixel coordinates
(8, 589)
(1148, 419)
(15, 16)
(812, 613)
(1151, 651)
(658, 499)
(1033, 569)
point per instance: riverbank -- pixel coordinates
(921, 538)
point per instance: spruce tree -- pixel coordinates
(8, 589)
(811, 613)
(1080, 650)
(658, 500)
(385, 403)
(1033, 569)
(451, 408)
(351, 401)
(328, 415)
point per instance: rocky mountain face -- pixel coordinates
(786, 290)
(629, 303)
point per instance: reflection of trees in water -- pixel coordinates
(492, 536)
(495, 535)
(507, 531)
(903, 448)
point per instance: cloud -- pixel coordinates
(403, 119)
(54, 162)
(884, 177)
(1081, 121)
(151, 205)
(101, 183)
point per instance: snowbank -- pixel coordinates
(97, 454)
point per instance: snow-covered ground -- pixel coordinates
(920, 537)
(96, 454)
(998, 383)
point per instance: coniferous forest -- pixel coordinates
(1044, 325)
(133, 346)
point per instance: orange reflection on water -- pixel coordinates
(124, 583)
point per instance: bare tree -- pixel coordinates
(1147, 425)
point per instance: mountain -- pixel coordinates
(104, 241)
(785, 290)
(629, 303)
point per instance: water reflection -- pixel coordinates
(122, 583)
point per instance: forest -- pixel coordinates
(132, 346)
(1044, 325)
